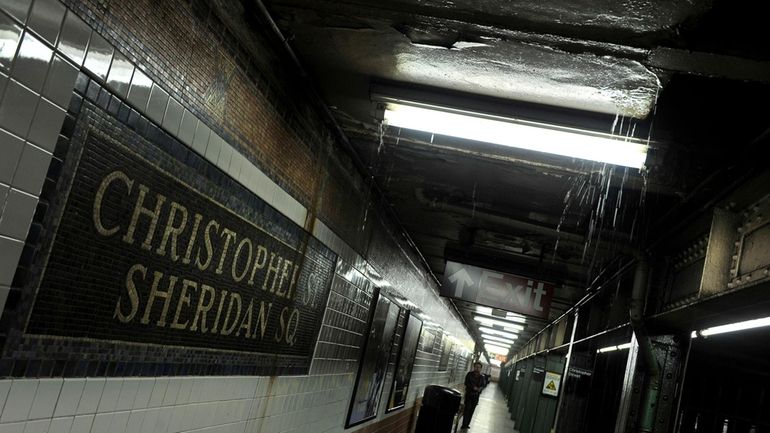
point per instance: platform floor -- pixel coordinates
(491, 414)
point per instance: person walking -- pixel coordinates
(474, 382)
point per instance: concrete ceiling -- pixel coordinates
(685, 75)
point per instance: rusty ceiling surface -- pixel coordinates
(684, 75)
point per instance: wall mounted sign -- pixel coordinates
(374, 362)
(551, 384)
(497, 289)
(405, 363)
(142, 257)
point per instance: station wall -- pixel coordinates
(184, 245)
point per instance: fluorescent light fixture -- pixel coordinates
(513, 317)
(520, 134)
(485, 330)
(614, 348)
(496, 349)
(497, 343)
(733, 327)
(494, 322)
(496, 338)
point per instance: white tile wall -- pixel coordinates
(189, 404)
(33, 83)
(29, 125)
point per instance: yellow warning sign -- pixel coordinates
(551, 383)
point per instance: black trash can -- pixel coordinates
(439, 406)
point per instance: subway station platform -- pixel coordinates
(294, 216)
(491, 414)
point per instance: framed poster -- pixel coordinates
(374, 361)
(404, 364)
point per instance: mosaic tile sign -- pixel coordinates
(141, 257)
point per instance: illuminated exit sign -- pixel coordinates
(497, 289)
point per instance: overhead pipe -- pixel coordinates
(551, 232)
(646, 351)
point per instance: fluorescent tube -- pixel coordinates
(485, 330)
(513, 317)
(519, 134)
(494, 322)
(733, 327)
(496, 338)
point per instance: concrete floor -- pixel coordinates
(491, 414)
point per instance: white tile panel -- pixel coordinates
(32, 169)
(92, 393)
(82, 424)
(109, 400)
(127, 394)
(17, 215)
(74, 38)
(135, 420)
(16, 427)
(45, 398)
(164, 417)
(38, 426)
(60, 82)
(17, 108)
(46, 125)
(213, 148)
(102, 423)
(144, 392)
(225, 157)
(119, 420)
(99, 56)
(69, 397)
(185, 389)
(149, 420)
(61, 425)
(172, 391)
(12, 150)
(158, 392)
(5, 388)
(19, 400)
(201, 138)
(32, 62)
